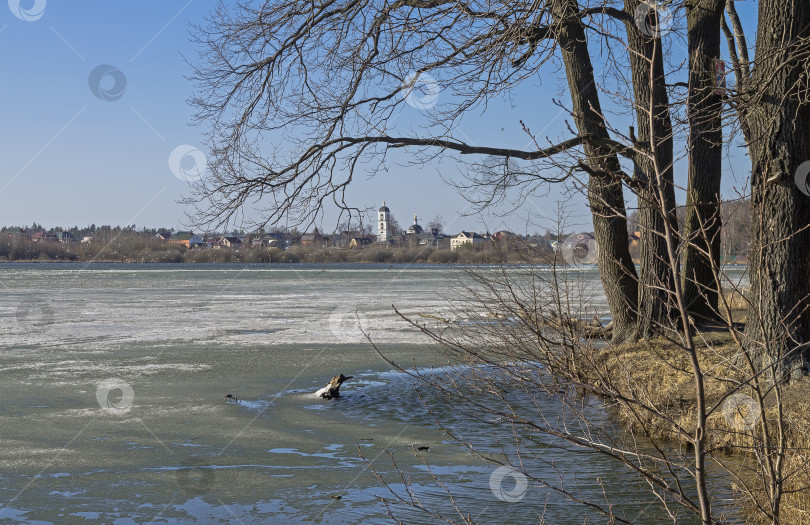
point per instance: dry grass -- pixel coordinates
(659, 372)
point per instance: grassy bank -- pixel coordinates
(660, 372)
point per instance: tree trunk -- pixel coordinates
(654, 173)
(605, 194)
(777, 114)
(703, 224)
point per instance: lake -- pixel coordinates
(112, 379)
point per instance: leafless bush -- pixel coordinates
(519, 356)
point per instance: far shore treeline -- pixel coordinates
(116, 244)
(159, 245)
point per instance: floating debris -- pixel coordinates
(332, 389)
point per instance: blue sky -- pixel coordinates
(70, 158)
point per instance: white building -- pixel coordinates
(465, 238)
(384, 224)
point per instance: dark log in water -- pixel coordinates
(332, 389)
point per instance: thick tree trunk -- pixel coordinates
(658, 290)
(702, 226)
(604, 191)
(654, 173)
(777, 115)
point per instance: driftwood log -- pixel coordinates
(332, 389)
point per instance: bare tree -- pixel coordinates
(437, 223)
(529, 375)
(321, 83)
(773, 102)
(359, 62)
(394, 227)
(653, 167)
(705, 99)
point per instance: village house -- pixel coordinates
(360, 242)
(267, 241)
(464, 238)
(504, 235)
(432, 238)
(538, 242)
(187, 239)
(229, 242)
(344, 238)
(314, 239)
(506, 240)
(42, 236)
(258, 242)
(66, 237)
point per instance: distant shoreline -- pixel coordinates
(374, 263)
(387, 263)
(134, 249)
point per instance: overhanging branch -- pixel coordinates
(610, 146)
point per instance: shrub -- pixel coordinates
(443, 257)
(290, 256)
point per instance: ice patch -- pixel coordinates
(66, 494)
(86, 515)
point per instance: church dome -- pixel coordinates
(384, 208)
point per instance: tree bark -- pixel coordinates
(703, 224)
(605, 194)
(775, 110)
(654, 173)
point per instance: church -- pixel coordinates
(415, 235)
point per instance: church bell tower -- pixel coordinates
(384, 224)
